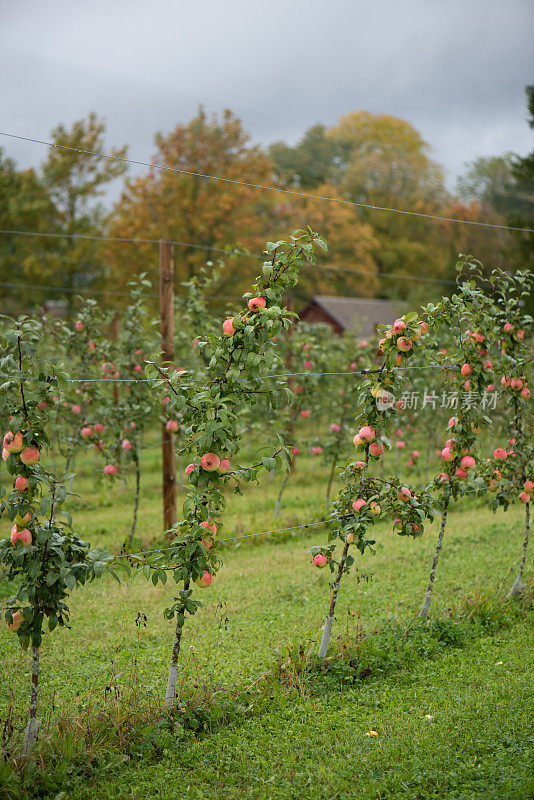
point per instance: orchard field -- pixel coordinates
(383, 469)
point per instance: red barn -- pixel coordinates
(361, 314)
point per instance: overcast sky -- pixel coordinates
(455, 69)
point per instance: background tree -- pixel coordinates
(75, 181)
(186, 208)
(378, 160)
(310, 163)
(523, 213)
(487, 180)
(24, 205)
(352, 246)
(504, 187)
(492, 245)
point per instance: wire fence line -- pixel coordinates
(304, 525)
(224, 251)
(195, 381)
(235, 182)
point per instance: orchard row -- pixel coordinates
(252, 372)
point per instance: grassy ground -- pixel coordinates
(477, 743)
(268, 596)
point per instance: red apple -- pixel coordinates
(30, 456)
(366, 434)
(404, 344)
(228, 327)
(205, 581)
(255, 303)
(24, 535)
(210, 462)
(16, 621)
(13, 442)
(467, 462)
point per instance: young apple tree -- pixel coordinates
(467, 367)
(363, 500)
(236, 357)
(510, 471)
(43, 556)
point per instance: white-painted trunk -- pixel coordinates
(325, 639)
(278, 505)
(327, 630)
(428, 596)
(517, 586)
(172, 680)
(32, 728)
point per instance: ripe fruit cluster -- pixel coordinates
(21, 453)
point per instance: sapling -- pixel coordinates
(508, 474)
(135, 409)
(347, 389)
(363, 500)
(44, 557)
(304, 351)
(210, 419)
(81, 349)
(312, 351)
(468, 306)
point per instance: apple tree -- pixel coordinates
(236, 357)
(43, 556)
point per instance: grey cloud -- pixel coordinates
(456, 70)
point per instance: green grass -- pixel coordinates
(267, 597)
(477, 744)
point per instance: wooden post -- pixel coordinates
(166, 307)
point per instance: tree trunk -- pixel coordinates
(173, 670)
(327, 630)
(278, 505)
(515, 591)
(331, 479)
(69, 461)
(428, 596)
(136, 501)
(32, 728)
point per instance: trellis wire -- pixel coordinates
(233, 181)
(194, 245)
(290, 528)
(362, 372)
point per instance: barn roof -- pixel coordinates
(348, 312)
